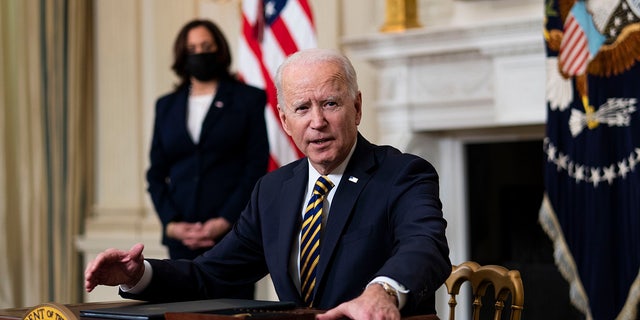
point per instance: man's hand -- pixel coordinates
(373, 303)
(115, 267)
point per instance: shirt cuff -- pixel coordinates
(402, 291)
(143, 283)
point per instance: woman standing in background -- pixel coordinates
(209, 145)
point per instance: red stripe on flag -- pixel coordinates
(257, 51)
(568, 39)
(280, 30)
(579, 60)
(270, 88)
(307, 11)
(574, 53)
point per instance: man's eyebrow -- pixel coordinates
(297, 103)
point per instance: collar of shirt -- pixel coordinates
(335, 176)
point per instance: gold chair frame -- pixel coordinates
(504, 281)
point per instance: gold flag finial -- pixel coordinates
(400, 15)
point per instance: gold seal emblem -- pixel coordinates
(49, 311)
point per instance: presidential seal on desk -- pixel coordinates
(49, 311)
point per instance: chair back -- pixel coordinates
(504, 281)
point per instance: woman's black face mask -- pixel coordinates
(205, 66)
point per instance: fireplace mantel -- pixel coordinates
(483, 75)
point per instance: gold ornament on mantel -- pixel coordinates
(400, 16)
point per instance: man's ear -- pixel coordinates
(283, 120)
(358, 105)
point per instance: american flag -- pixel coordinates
(591, 210)
(271, 31)
(580, 42)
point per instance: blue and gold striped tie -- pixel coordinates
(310, 239)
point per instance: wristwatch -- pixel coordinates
(390, 290)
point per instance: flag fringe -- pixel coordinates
(630, 309)
(563, 258)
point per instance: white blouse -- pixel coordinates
(197, 109)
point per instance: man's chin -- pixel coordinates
(321, 160)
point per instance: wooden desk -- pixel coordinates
(18, 313)
(297, 314)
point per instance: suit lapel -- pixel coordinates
(179, 112)
(290, 215)
(344, 201)
(222, 101)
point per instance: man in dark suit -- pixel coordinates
(382, 246)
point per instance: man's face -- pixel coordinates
(319, 113)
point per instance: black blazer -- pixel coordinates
(214, 178)
(385, 219)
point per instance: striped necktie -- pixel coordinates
(310, 239)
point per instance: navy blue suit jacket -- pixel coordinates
(213, 178)
(389, 222)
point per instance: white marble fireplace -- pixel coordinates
(441, 88)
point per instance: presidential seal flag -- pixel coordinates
(271, 31)
(591, 208)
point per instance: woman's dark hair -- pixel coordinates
(180, 49)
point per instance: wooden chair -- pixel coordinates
(504, 281)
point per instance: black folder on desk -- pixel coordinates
(156, 311)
